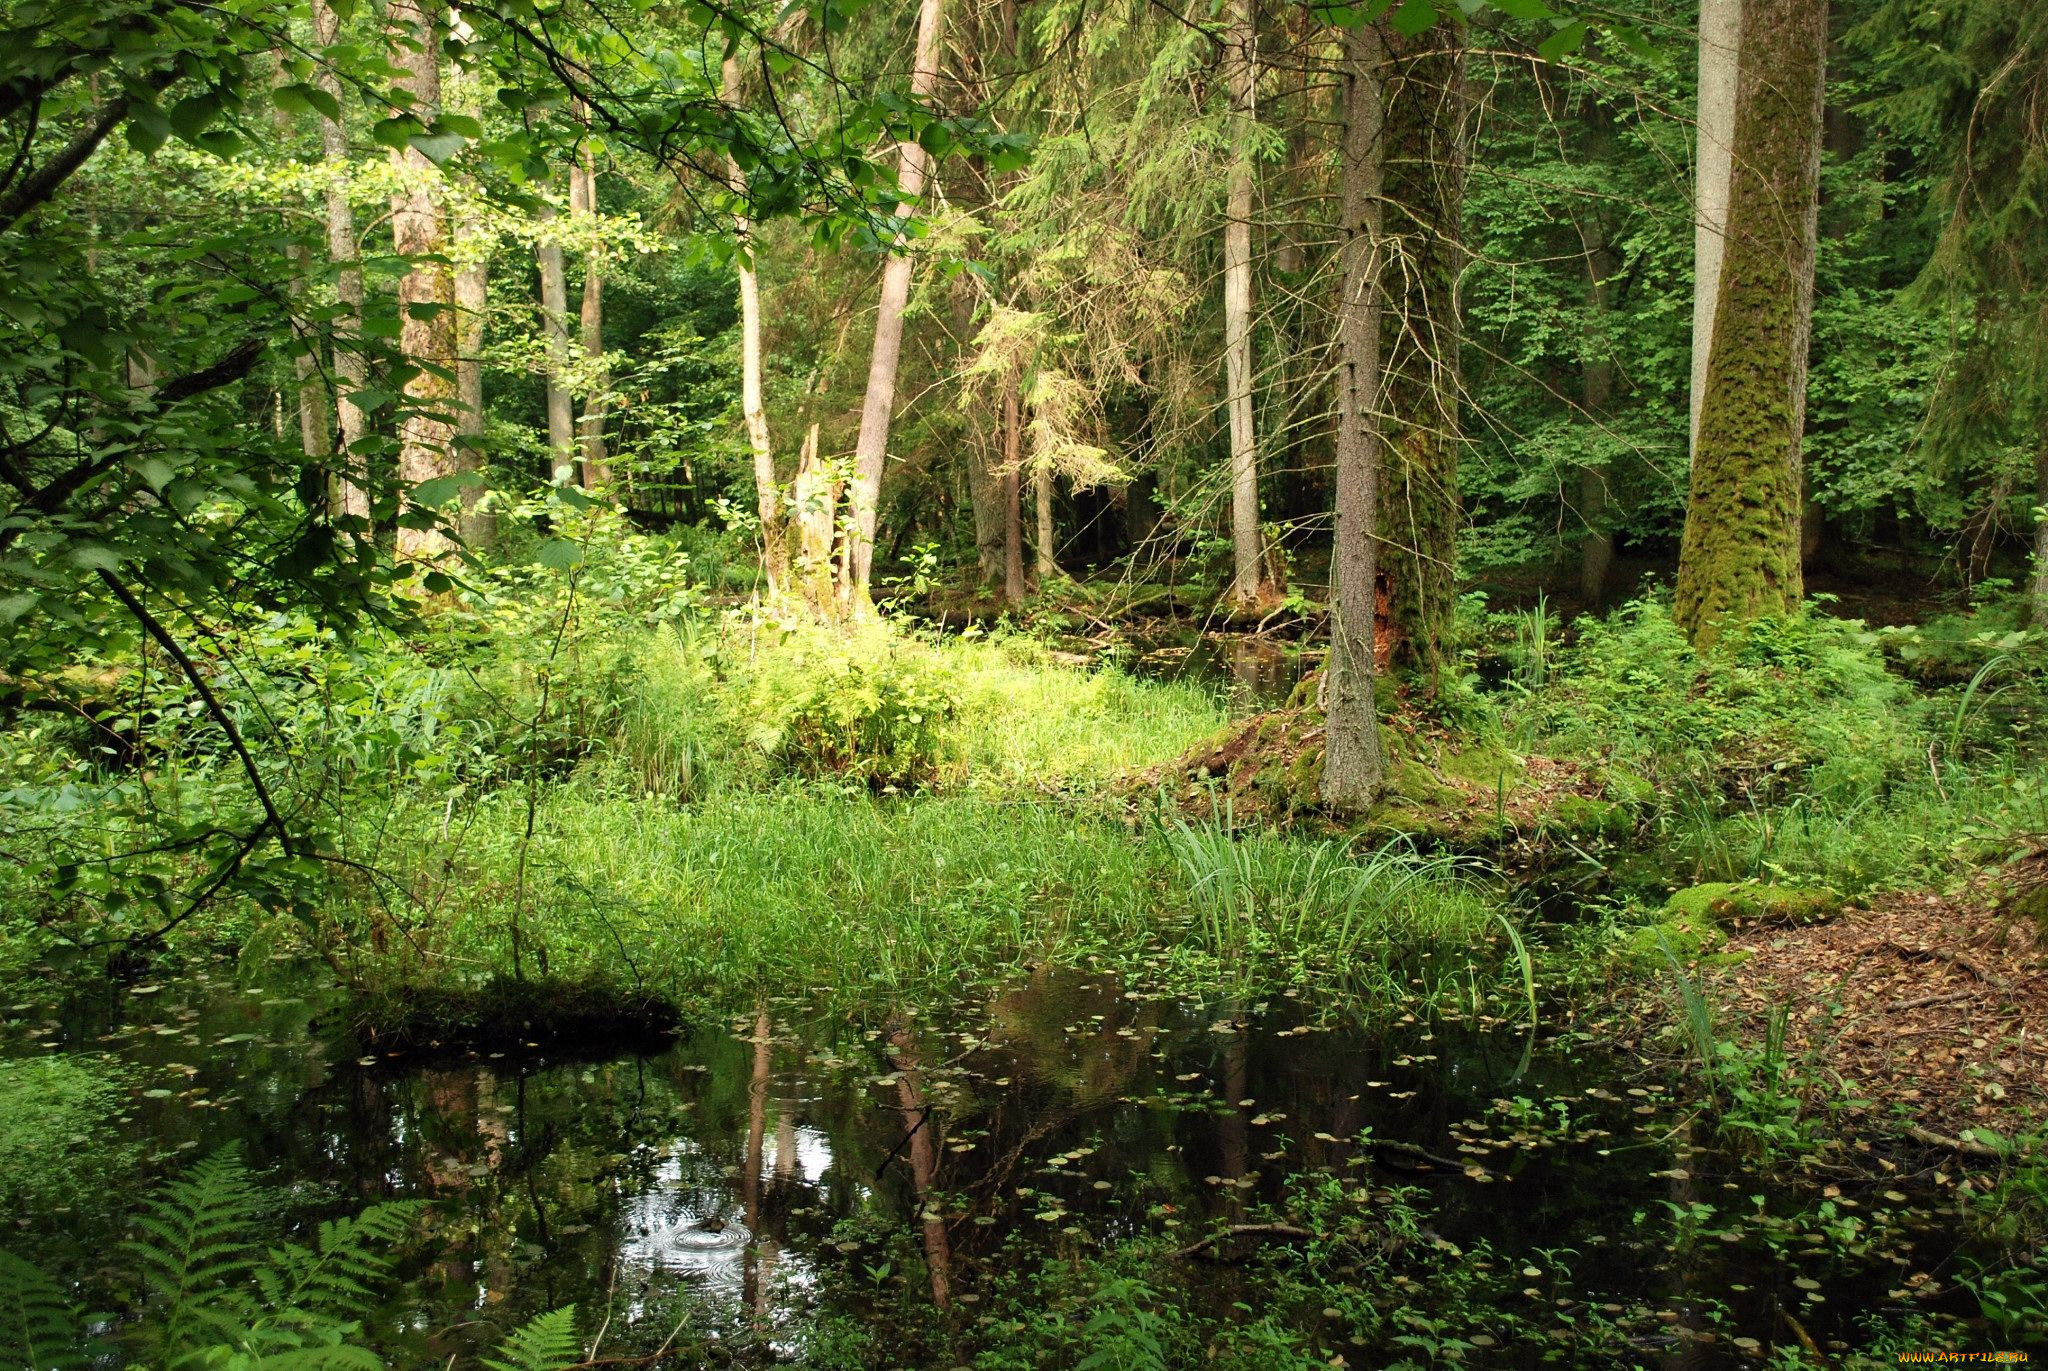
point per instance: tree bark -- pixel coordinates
(1043, 564)
(767, 498)
(472, 299)
(590, 428)
(554, 324)
(878, 407)
(816, 500)
(1241, 64)
(1720, 42)
(351, 498)
(1740, 556)
(1354, 767)
(2041, 531)
(426, 293)
(1423, 185)
(1013, 493)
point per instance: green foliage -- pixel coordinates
(546, 1342)
(873, 708)
(1802, 702)
(214, 1296)
(41, 1329)
(57, 1136)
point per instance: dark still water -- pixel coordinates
(779, 1188)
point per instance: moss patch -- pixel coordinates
(1443, 789)
(506, 1015)
(1749, 902)
(1690, 939)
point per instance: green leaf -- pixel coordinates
(13, 606)
(1565, 41)
(441, 489)
(95, 557)
(559, 554)
(190, 116)
(394, 132)
(1413, 17)
(437, 147)
(1525, 9)
(147, 129)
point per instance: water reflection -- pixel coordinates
(755, 1177)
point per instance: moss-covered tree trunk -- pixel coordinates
(1354, 768)
(1423, 199)
(1247, 554)
(1740, 555)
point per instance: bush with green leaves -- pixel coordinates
(1784, 703)
(872, 707)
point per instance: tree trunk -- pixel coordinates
(1720, 42)
(1596, 554)
(1013, 493)
(351, 496)
(2041, 531)
(1354, 767)
(1246, 587)
(426, 293)
(1043, 564)
(583, 200)
(1423, 175)
(878, 407)
(816, 500)
(1740, 555)
(554, 323)
(767, 499)
(472, 298)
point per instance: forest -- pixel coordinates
(1100, 684)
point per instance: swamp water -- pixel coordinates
(782, 1188)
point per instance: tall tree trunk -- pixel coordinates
(878, 407)
(1013, 493)
(2041, 529)
(984, 483)
(583, 200)
(554, 323)
(1043, 564)
(1720, 43)
(1246, 587)
(767, 498)
(1739, 558)
(351, 498)
(1354, 767)
(472, 300)
(1423, 173)
(426, 293)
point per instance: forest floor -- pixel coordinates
(1934, 1008)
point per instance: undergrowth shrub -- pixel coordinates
(1802, 702)
(58, 1140)
(872, 707)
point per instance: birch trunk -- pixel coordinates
(753, 408)
(1354, 766)
(1246, 586)
(590, 428)
(426, 293)
(1720, 44)
(472, 299)
(871, 447)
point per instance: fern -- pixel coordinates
(546, 1343)
(193, 1252)
(39, 1326)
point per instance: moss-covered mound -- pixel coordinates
(1751, 902)
(1444, 789)
(504, 1014)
